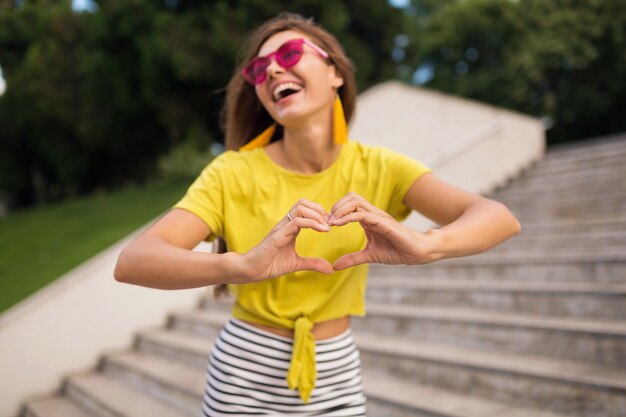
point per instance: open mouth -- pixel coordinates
(285, 90)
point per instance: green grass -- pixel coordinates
(38, 245)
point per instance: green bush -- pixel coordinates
(184, 161)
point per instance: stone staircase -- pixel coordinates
(533, 328)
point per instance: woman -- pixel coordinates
(303, 211)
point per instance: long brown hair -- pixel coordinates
(244, 117)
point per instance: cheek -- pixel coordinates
(262, 96)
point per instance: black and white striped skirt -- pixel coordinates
(247, 376)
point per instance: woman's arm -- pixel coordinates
(471, 224)
(161, 257)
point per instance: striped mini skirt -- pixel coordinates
(247, 373)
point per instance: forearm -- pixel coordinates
(483, 225)
(152, 262)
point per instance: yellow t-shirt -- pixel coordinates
(242, 195)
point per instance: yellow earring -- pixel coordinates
(261, 140)
(340, 127)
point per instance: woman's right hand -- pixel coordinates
(276, 254)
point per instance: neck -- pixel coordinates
(307, 148)
(309, 151)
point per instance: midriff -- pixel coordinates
(322, 330)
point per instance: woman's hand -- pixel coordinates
(276, 254)
(388, 242)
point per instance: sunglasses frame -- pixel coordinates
(268, 59)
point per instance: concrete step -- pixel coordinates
(587, 240)
(571, 230)
(586, 150)
(194, 348)
(224, 304)
(552, 166)
(199, 321)
(590, 300)
(556, 219)
(206, 322)
(382, 392)
(600, 341)
(173, 383)
(537, 237)
(191, 349)
(491, 269)
(555, 385)
(532, 212)
(564, 217)
(57, 406)
(577, 193)
(597, 341)
(551, 201)
(535, 185)
(388, 396)
(555, 254)
(103, 396)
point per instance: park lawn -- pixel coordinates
(40, 244)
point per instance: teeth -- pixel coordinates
(284, 86)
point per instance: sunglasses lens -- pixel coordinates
(255, 71)
(289, 54)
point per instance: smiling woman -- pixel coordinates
(295, 201)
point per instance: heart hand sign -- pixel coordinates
(388, 241)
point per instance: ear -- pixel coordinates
(336, 80)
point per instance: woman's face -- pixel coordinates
(312, 83)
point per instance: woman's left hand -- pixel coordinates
(388, 242)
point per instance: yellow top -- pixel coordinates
(242, 195)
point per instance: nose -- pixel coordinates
(274, 68)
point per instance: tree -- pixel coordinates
(75, 116)
(558, 59)
(93, 99)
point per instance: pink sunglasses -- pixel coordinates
(287, 55)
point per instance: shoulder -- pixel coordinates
(234, 161)
(376, 153)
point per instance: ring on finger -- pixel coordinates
(289, 217)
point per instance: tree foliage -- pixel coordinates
(559, 59)
(93, 99)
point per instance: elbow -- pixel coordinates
(514, 225)
(120, 272)
(517, 226)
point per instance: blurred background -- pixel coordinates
(116, 104)
(110, 109)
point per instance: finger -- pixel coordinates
(363, 217)
(304, 223)
(308, 213)
(291, 228)
(303, 202)
(354, 203)
(352, 259)
(350, 198)
(316, 264)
